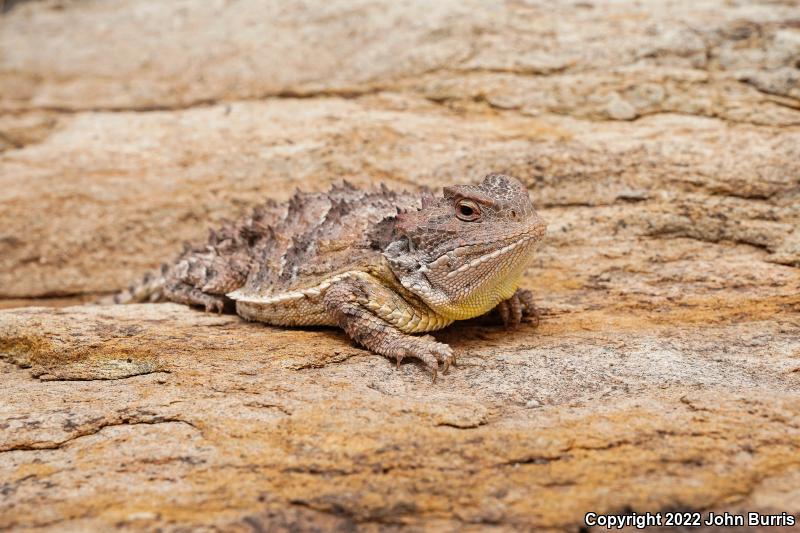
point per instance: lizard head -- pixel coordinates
(465, 251)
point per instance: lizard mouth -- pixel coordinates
(475, 253)
(519, 242)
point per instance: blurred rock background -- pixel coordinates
(661, 140)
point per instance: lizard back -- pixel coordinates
(317, 236)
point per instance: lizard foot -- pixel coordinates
(184, 293)
(214, 306)
(429, 351)
(518, 309)
(345, 301)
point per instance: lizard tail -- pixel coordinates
(149, 289)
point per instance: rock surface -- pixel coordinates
(660, 140)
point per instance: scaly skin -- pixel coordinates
(371, 317)
(381, 265)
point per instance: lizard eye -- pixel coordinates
(467, 210)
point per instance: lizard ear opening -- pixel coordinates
(407, 244)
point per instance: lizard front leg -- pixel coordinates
(519, 308)
(352, 305)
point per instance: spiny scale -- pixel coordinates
(318, 236)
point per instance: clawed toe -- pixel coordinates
(532, 317)
(431, 353)
(214, 306)
(449, 361)
(517, 309)
(510, 312)
(505, 313)
(444, 355)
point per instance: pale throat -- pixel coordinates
(473, 288)
(483, 299)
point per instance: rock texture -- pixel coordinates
(660, 140)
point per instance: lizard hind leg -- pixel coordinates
(182, 292)
(347, 304)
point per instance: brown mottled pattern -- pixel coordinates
(380, 264)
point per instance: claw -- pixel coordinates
(434, 375)
(446, 365)
(517, 309)
(531, 312)
(399, 360)
(526, 297)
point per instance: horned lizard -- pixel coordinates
(380, 264)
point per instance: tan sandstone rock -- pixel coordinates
(660, 140)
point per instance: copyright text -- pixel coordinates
(688, 519)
